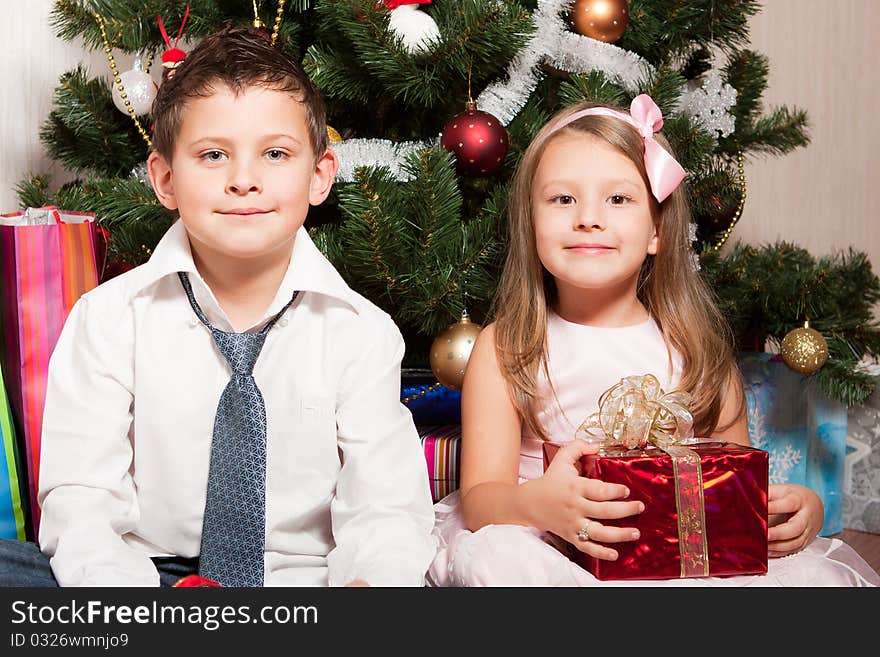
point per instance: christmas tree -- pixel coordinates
(416, 220)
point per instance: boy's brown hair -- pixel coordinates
(239, 57)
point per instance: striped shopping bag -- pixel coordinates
(48, 260)
(12, 511)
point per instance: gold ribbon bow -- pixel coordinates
(637, 412)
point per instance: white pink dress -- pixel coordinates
(584, 361)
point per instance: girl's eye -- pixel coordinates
(276, 155)
(213, 156)
(563, 199)
(619, 199)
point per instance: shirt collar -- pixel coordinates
(308, 271)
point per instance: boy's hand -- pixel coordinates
(356, 583)
(796, 515)
(569, 503)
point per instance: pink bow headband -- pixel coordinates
(664, 172)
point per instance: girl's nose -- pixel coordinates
(589, 219)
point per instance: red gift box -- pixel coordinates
(735, 479)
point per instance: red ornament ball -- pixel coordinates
(478, 141)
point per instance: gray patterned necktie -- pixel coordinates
(234, 527)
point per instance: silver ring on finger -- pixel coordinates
(583, 533)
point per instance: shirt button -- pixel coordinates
(193, 323)
(283, 321)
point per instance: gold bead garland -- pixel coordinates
(277, 21)
(108, 50)
(742, 202)
(258, 23)
(421, 393)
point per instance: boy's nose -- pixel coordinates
(242, 183)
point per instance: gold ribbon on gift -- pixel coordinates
(635, 413)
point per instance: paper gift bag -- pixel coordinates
(12, 511)
(803, 430)
(48, 261)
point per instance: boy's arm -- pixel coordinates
(86, 491)
(382, 514)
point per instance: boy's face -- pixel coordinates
(243, 172)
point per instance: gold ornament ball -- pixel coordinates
(604, 20)
(804, 349)
(333, 135)
(451, 350)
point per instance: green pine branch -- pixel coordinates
(665, 32)
(86, 132)
(767, 291)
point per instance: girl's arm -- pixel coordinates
(560, 501)
(490, 427)
(795, 512)
(733, 421)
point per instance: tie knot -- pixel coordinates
(240, 350)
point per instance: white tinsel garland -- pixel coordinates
(354, 153)
(708, 105)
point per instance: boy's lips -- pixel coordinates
(244, 211)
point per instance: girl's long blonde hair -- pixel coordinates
(669, 287)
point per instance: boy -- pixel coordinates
(132, 476)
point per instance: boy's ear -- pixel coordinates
(323, 177)
(160, 177)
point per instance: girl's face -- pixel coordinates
(592, 217)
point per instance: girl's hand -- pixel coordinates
(569, 502)
(796, 515)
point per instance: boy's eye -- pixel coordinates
(276, 154)
(213, 156)
(562, 199)
(619, 199)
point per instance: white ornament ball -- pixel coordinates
(418, 30)
(140, 90)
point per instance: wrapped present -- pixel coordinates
(705, 501)
(441, 445)
(50, 258)
(861, 483)
(804, 432)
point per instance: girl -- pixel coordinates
(598, 284)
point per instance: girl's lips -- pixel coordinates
(590, 249)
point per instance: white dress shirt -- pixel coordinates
(133, 387)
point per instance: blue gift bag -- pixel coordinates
(802, 429)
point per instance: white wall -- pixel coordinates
(822, 58)
(33, 60)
